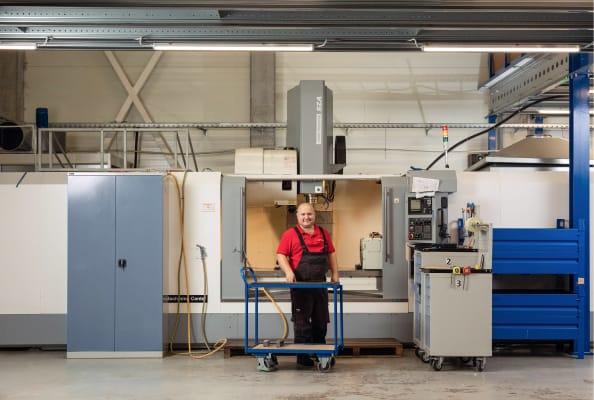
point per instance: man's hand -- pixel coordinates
(290, 276)
(283, 263)
(334, 268)
(335, 278)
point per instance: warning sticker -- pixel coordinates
(207, 207)
(194, 298)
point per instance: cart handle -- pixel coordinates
(244, 272)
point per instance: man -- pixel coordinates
(305, 253)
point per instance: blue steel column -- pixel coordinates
(335, 298)
(246, 293)
(579, 183)
(492, 139)
(538, 119)
(256, 321)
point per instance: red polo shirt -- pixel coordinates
(290, 245)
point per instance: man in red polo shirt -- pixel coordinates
(305, 254)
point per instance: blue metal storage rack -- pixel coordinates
(541, 316)
(325, 353)
(553, 251)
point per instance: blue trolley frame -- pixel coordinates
(312, 348)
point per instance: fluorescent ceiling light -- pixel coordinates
(499, 49)
(18, 46)
(231, 47)
(556, 111)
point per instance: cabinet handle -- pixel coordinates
(122, 263)
(242, 221)
(388, 226)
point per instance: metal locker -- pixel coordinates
(115, 265)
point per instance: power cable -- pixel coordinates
(182, 261)
(276, 306)
(459, 143)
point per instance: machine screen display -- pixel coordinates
(415, 205)
(419, 206)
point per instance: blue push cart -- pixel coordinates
(266, 353)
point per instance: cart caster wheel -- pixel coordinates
(425, 357)
(474, 362)
(273, 360)
(268, 363)
(324, 364)
(465, 360)
(332, 361)
(418, 352)
(480, 366)
(437, 363)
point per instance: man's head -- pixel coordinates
(306, 215)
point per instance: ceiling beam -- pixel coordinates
(350, 29)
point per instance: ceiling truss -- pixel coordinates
(330, 25)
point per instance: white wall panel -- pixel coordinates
(202, 227)
(33, 243)
(513, 199)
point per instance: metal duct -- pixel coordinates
(540, 152)
(12, 137)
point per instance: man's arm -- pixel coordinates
(283, 262)
(333, 267)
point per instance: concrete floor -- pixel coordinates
(48, 375)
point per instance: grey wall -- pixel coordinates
(12, 67)
(50, 329)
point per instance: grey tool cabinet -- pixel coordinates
(452, 311)
(115, 266)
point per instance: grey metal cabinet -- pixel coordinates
(456, 314)
(115, 266)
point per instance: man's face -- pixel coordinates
(306, 216)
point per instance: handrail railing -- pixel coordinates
(177, 148)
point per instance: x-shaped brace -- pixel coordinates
(133, 93)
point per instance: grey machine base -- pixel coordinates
(114, 354)
(32, 330)
(50, 329)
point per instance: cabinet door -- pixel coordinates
(233, 254)
(395, 272)
(91, 257)
(139, 263)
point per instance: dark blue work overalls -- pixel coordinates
(309, 307)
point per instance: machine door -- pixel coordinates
(395, 275)
(233, 232)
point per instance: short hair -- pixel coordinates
(306, 204)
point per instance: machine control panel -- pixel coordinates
(422, 206)
(420, 228)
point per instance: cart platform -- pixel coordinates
(323, 354)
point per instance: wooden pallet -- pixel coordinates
(352, 347)
(372, 347)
